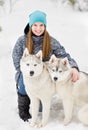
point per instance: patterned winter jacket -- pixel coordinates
(20, 45)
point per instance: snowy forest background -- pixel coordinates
(7, 6)
(81, 5)
(67, 21)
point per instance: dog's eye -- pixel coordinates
(27, 64)
(35, 64)
(53, 70)
(60, 71)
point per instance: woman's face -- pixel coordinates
(38, 28)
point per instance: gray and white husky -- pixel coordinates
(70, 93)
(38, 85)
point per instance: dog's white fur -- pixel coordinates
(70, 93)
(38, 85)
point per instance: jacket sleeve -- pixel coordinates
(60, 52)
(17, 53)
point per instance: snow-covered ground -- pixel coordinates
(66, 25)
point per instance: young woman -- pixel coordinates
(36, 38)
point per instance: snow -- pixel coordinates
(66, 25)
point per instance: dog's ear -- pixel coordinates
(65, 61)
(25, 53)
(39, 55)
(52, 59)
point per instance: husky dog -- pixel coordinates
(70, 92)
(38, 85)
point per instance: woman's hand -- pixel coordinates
(75, 75)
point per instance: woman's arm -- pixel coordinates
(60, 52)
(17, 53)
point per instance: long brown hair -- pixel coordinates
(46, 46)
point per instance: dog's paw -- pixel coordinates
(32, 124)
(66, 121)
(41, 124)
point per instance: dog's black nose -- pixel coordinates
(55, 78)
(31, 73)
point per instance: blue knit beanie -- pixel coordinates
(37, 16)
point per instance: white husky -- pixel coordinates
(38, 85)
(70, 93)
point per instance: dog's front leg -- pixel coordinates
(35, 108)
(45, 113)
(68, 109)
